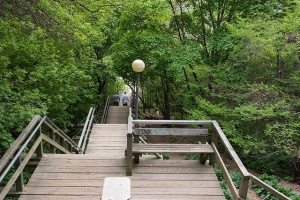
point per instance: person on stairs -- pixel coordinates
(125, 99)
(116, 98)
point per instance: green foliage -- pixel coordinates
(166, 157)
(44, 70)
(236, 178)
(235, 62)
(223, 184)
(274, 182)
(192, 156)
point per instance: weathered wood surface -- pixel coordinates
(117, 115)
(171, 131)
(171, 148)
(81, 176)
(107, 139)
(152, 179)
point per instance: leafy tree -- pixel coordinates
(253, 97)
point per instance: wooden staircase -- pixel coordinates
(117, 115)
(81, 176)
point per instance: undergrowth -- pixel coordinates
(236, 178)
(262, 193)
(274, 182)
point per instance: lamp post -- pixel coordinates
(138, 66)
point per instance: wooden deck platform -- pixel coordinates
(73, 176)
(82, 177)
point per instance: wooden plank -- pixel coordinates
(99, 142)
(173, 163)
(55, 197)
(84, 163)
(112, 138)
(177, 184)
(79, 157)
(141, 176)
(66, 183)
(109, 148)
(117, 139)
(63, 191)
(110, 127)
(105, 152)
(103, 163)
(75, 176)
(171, 148)
(171, 170)
(171, 131)
(175, 177)
(177, 197)
(114, 130)
(66, 169)
(178, 191)
(113, 133)
(116, 188)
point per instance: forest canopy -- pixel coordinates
(234, 61)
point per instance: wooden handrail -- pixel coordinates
(13, 157)
(225, 173)
(20, 168)
(59, 132)
(15, 146)
(230, 149)
(269, 188)
(19, 150)
(243, 190)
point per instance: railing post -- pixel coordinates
(136, 156)
(129, 155)
(243, 190)
(214, 140)
(39, 150)
(62, 142)
(20, 180)
(70, 147)
(52, 136)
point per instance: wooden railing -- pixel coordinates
(216, 139)
(30, 141)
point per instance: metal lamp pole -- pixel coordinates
(138, 66)
(137, 95)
